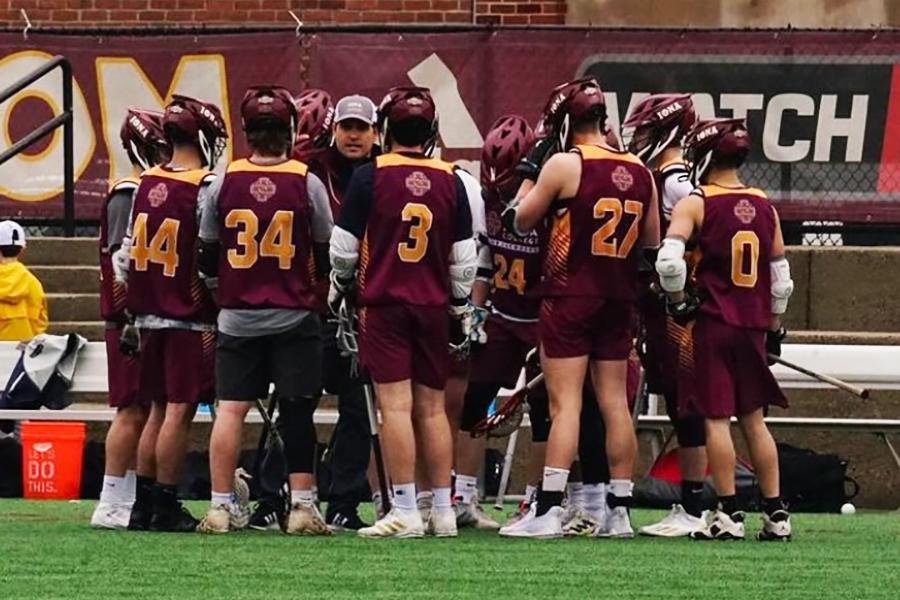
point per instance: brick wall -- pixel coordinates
(130, 13)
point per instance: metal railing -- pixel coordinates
(64, 120)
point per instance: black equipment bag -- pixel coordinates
(812, 482)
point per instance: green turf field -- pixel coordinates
(48, 551)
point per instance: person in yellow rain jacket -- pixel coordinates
(23, 305)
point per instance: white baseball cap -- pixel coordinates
(11, 234)
(356, 107)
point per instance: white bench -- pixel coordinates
(873, 367)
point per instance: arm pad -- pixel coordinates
(344, 252)
(782, 285)
(670, 265)
(463, 263)
(485, 263)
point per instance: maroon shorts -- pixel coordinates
(501, 359)
(399, 342)
(122, 372)
(177, 366)
(733, 376)
(600, 328)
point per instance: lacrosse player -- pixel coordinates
(654, 131)
(404, 241)
(744, 281)
(146, 146)
(172, 309)
(264, 234)
(604, 210)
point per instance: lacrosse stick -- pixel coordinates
(347, 342)
(856, 391)
(273, 468)
(508, 416)
(507, 468)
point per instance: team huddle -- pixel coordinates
(325, 261)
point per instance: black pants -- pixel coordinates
(351, 442)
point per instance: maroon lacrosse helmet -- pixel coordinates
(143, 137)
(407, 103)
(570, 102)
(506, 143)
(200, 121)
(715, 140)
(268, 103)
(665, 118)
(315, 116)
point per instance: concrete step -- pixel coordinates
(61, 251)
(74, 307)
(93, 331)
(851, 338)
(58, 279)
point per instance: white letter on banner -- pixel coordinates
(32, 177)
(853, 128)
(804, 106)
(704, 106)
(121, 83)
(457, 127)
(613, 119)
(740, 104)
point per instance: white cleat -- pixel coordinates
(473, 515)
(108, 515)
(442, 523)
(545, 527)
(721, 526)
(396, 524)
(305, 519)
(216, 520)
(617, 524)
(678, 523)
(776, 528)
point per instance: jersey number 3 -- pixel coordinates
(603, 243)
(421, 217)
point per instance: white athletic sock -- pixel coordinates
(530, 491)
(554, 479)
(621, 488)
(442, 497)
(594, 497)
(303, 497)
(130, 485)
(405, 496)
(575, 492)
(114, 490)
(466, 488)
(217, 498)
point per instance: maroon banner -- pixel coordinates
(823, 107)
(112, 73)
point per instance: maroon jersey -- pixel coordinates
(735, 248)
(410, 230)
(265, 232)
(517, 264)
(112, 293)
(163, 280)
(593, 248)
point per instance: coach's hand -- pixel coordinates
(340, 288)
(685, 310)
(773, 342)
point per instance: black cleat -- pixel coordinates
(345, 521)
(141, 515)
(265, 518)
(174, 518)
